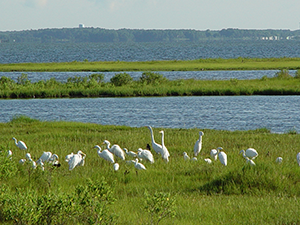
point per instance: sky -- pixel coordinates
(150, 14)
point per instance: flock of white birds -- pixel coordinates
(109, 154)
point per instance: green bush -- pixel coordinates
(283, 74)
(121, 79)
(152, 78)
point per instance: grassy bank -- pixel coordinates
(191, 192)
(175, 65)
(149, 84)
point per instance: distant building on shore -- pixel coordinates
(81, 25)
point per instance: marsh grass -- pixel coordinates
(150, 84)
(171, 65)
(209, 194)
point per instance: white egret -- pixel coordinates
(28, 156)
(22, 161)
(208, 160)
(105, 154)
(9, 154)
(222, 156)
(76, 160)
(194, 159)
(45, 157)
(248, 160)
(20, 144)
(33, 164)
(115, 149)
(251, 153)
(54, 160)
(198, 144)
(139, 166)
(130, 153)
(214, 154)
(186, 156)
(298, 158)
(116, 166)
(156, 147)
(279, 160)
(164, 152)
(68, 157)
(145, 154)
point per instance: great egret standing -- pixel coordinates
(105, 154)
(157, 147)
(251, 153)
(145, 154)
(139, 166)
(185, 156)
(164, 152)
(45, 157)
(115, 149)
(214, 154)
(198, 144)
(76, 160)
(222, 156)
(20, 144)
(9, 154)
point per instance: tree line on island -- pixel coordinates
(90, 34)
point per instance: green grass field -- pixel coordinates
(172, 65)
(178, 192)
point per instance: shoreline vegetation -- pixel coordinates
(177, 192)
(149, 84)
(168, 65)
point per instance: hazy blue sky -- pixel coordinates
(150, 14)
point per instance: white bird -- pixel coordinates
(33, 164)
(222, 156)
(116, 166)
(9, 154)
(130, 153)
(185, 156)
(279, 160)
(54, 160)
(156, 147)
(68, 157)
(145, 154)
(251, 153)
(76, 160)
(28, 156)
(139, 166)
(45, 157)
(20, 144)
(105, 154)
(198, 144)
(164, 152)
(22, 161)
(252, 163)
(194, 159)
(298, 158)
(115, 149)
(208, 160)
(214, 154)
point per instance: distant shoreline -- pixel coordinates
(163, 65)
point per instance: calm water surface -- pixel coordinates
(278, 113)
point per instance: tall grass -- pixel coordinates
(202, 193)
(150, 84)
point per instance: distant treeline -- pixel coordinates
(90, 34)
